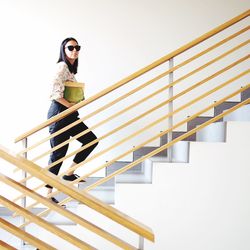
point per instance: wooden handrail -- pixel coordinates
(46, 225)
(136, 74)
(22, 235)
(67, 213)
(4, 245)
(73, 192)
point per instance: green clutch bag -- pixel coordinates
(74, 91)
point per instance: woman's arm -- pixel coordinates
(61, 76)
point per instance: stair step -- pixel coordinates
(241, 114)
(145, 150)
(52, 217)
(176, 134)
(28, 247)
(104, 192)
(142, 175)
(120, 164)
(164, 139)
(197, 121)
(58, 219)
(245, 94)
(180, 152)
(223, 106)
(215, 132)
(6, 212)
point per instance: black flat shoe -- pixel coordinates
(72, 177)
(53, 199)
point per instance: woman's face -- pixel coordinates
(72, 52)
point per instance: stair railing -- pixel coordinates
(186, 135)
(169, 101)
(84, 198)
(22, 235)
(137, 103)
(62, 211)
(139, 117)
(46, 225)
(148, 126)
(133, 105)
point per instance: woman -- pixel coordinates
(66, 70)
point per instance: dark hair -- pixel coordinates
(62, 56)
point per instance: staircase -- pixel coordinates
(169, 105)
(142, 173)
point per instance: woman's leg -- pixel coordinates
(57, 154)
(84, 139)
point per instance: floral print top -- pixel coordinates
(62, 75)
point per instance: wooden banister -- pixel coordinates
(73, 192)
(67, 213)
(136, 74)
(46, 225)
(4, 245)
(22, 235)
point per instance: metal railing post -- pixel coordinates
(170, 109)
(141, 243)
(24, 175)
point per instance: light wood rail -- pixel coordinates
(67, 213)
(22, 235)
(46, 225)
(73, 192)
(4, 245)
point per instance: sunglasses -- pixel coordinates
(71, 47)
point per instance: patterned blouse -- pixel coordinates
(62, 75)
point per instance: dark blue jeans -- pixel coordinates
(56, 108)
